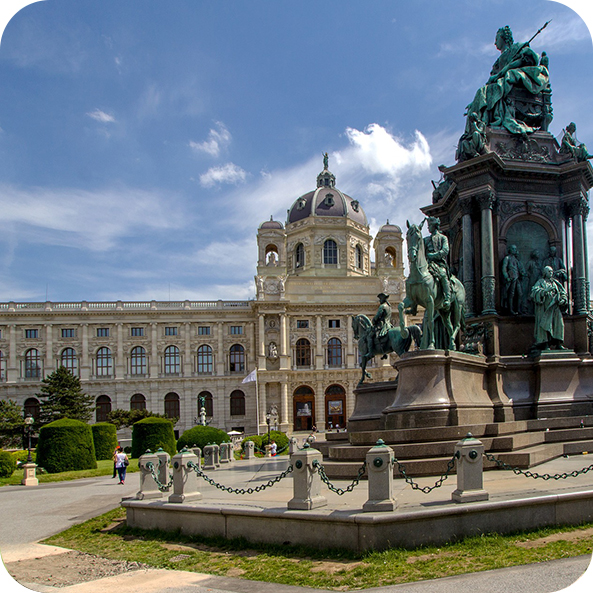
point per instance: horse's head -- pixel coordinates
(413, 240)
(360, 325)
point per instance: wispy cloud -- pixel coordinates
(229, 174)
(218, 139)
(101, 116)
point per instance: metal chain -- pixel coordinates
(535, 475)
(426, 489)
(162, 487)
(339, 491)
(269, 484)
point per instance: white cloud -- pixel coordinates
(228, 174)
(101, 116)
(217, 140)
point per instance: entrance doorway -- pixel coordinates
(335, 407)
(304, 408)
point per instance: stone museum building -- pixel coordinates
(313, 274)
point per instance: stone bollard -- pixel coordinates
(469, 471)
(209, 456)
(29, 474)
(379, 469)
(225, 452)
(185, 479)
(306, 480)
(216, 455)
(163, 471)
(148, 486)
(293, 446)
(198, 453)
(268, 449)
(249, 449)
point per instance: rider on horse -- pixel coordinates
(381, 325)
(436, 248)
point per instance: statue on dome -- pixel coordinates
(515, 97)
(325, 161)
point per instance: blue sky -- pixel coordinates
(143, 142)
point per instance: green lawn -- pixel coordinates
(104, 468)
(109, 537)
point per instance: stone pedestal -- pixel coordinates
(29, 474)
(163, 467)
(470, 465)
(249, 450)
(148, 463)
(440, 388)
(306, 480)
(210, 456)
(185, 479)
(379, 460)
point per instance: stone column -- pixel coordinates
(319, 352)
(468, 257)
(262, 341)
(120, 358)
(486, 202)
(350, 359)
(578, 212)
(154, 351)
(220, 355)
(49, 345)
(12, 372)
(283, 403)
(187, 361)
(284, 348)
(261, 386)
(85, 361)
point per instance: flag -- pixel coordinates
(251, 377)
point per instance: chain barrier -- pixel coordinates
(161, 487)
(269, 484)
(339, 491)
(426, 489)
(528, 474)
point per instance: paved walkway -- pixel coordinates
(32, 514)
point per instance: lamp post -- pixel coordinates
(268, 420)
(29, 421)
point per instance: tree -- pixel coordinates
(62, 397)
(128, 418)
(12, 424)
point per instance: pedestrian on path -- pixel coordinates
(121, 464)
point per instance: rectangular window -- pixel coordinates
(334, 323)
(236, 330)
(203, 330)
(137, 331)
(31, 333)
(170, 331)
(302, 324)
(102, 332)
(68, 333)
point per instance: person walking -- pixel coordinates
(121, 464)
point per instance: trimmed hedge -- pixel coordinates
(66, 445)
(7, 464)
(278, 437)
(153, 433)
(105, 439)
(202, 436)
(255, 438)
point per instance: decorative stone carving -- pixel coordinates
(524, 150)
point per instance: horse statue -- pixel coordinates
(397, 339)
(422, 289)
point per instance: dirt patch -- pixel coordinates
(69, 568)
(334, 567)
(570, 536)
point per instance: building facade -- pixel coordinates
(313, 274)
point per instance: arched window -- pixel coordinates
(204, 360)
(330, 253)
(172, 361)
(172, 407)
(237, 403)
(208, 403)
(299, 256)
(138, 361)
(334, 353)
(32, 406)
(2, 367)
(137, 402)
(69, 360)
(303, 353)
(237, 359)
(359, 259)
(103, 408)
(32, 364)
(104, 362)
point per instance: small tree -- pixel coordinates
(11, 424)
(62, 397)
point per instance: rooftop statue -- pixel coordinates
(431, 285)
(515, 97)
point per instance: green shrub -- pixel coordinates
(128, 450)
(22, 456)
(255, 438)
(202, 436)
(7, 464)
(278, 437)
(153, 433)
(66, 445)
(105, 439)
